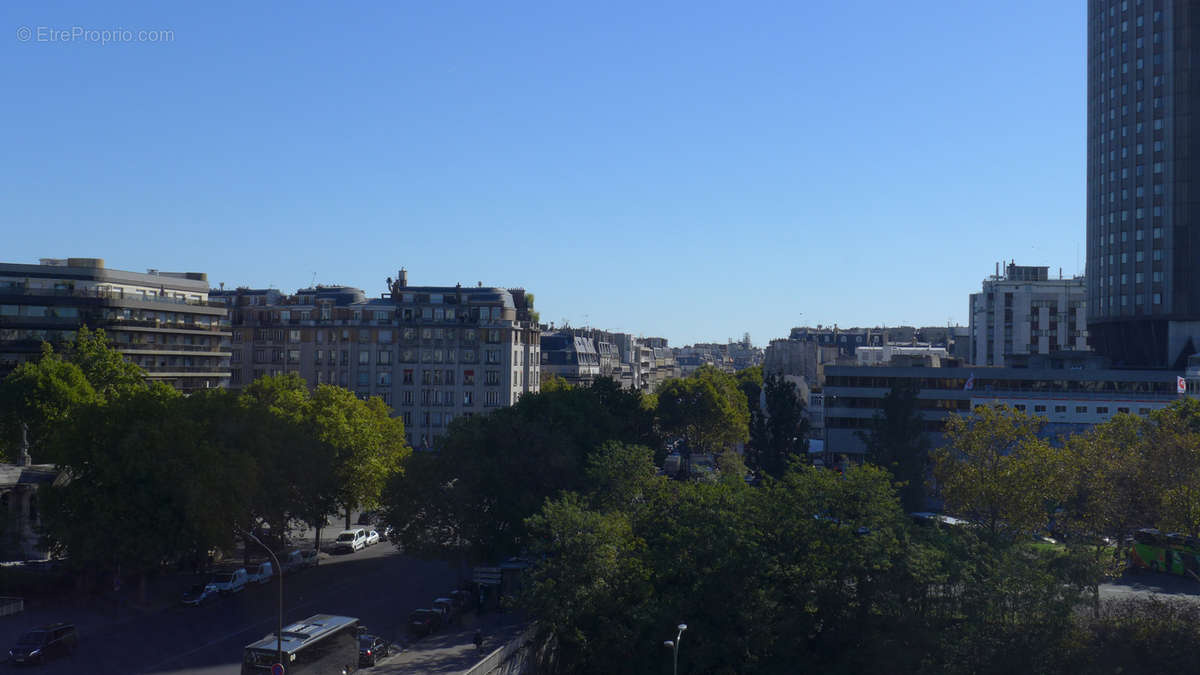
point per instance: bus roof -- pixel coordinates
(300, 633)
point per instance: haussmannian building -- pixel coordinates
(432, 353)
(161, 321)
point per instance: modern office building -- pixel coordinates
(1071, 399)
(161, 321)
(432, 353)
(1024, 311)
(1143, 197)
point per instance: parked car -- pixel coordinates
(422, 622)
(371, 648)
(261, 574)
(368, 517)
(44, 643)
(311, 558)
(350, 541)
(230, 581)
(447, 608)
(198, 594)
(372, 537)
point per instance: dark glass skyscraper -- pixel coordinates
(1143, 181)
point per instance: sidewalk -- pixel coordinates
(452, 650)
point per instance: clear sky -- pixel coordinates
(692, 170)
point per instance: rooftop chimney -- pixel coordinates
(403, 280)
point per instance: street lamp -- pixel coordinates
(674, 645)
(278, 573)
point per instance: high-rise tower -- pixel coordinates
(1143, 181)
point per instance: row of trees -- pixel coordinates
(149, 475)
(470, 500)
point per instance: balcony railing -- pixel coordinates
(102, 294)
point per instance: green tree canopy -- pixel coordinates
(997, 472)
(707, 410)
(896, 441)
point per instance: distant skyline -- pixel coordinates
(690, 171)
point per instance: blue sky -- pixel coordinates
(689, 170)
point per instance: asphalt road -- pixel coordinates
(1150, 583)
(377, 585)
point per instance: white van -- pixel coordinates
(228, 582)
(261, 574)
(350, 540)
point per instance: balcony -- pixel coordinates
(103, 295)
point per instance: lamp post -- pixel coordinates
(278, 573)
(674, 645)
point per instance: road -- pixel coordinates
(377, 585)
(1149, 583)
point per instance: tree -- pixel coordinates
(591, 586)
(469, 500)
(708, 411)
(145, 479)
(996, 472)
(1172, 455)
(37, 399)
(104, 367)
(554, 383)
(779, 433)
(896, 441)
(1105, 498)
(350, 448)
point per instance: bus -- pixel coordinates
(1172, 553)
(322, 644)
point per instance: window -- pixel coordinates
(385, 357)
(1081, 409)
(493, 398)
(1060, 408)
(408, 376)
(492, 377)
(385, 379)
(364, 378)
(364, 357)
(1039, 408)
(468, 398)
(468, 377)
(1101, 410)
(293, 336)
(385, 337)
(449, 377)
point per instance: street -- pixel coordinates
(376, 584)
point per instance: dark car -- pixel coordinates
(197, 595)
(422, 622)
(371, 648)
(44, 643)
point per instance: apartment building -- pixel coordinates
(160, 321)
(432, 353)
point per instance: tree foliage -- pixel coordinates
(896, 441)
(996, 471)
(779, 433)
(470, 499)
(707, 411)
